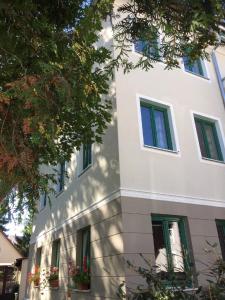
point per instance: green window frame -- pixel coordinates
(55, 253)
(220, 225)
(86, 247)
(87, 155)
(209, 149)
(165, 221)
(152, 128)
(61, 178)
(43, 200)
(38, 257)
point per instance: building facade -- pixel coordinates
(155, 186)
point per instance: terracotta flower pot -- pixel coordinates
(83, 286)
(54, 283)
(37, 282)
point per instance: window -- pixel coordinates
(55, 253)
(38, 257)
(220, 224)
(155, 126)
(61, 176)
(150, 49)
(84, 250)
(208, 139)
(197, 67)
(43, 200)
(170, 245)
(87, 155)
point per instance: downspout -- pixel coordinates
(218, 75)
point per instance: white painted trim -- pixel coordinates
(133, 193)
(172, 124)
(6, 264)
(220, 134)
(207, 78)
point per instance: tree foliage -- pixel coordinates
(54, 78)
(22, 243)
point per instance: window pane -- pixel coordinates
(148, 48)
(201, 139)
(220, 229)
(159, 246)
(211, 141)
(61, 176)
(38, 257)
(160, 129)
(86, 155)
(55, 253)
(195, 67)
(176, 248)
(85, 248)
(146, 126)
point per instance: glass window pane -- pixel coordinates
(139, 46)
(149, 48)
(55, 253)
(176, 247)
(211, 141)
(146, 126)
(38, 257)
(195, 67)
(160, 129)
(159, 246)
(86, 155)
(201, 139)
(220, 229)
(86, 248)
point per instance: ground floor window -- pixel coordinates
(170, 245)
(220, 224)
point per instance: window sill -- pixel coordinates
(205, 159)
(161, 149)
(59, 193)
(80, 291)
(84, 170)
(198, 75)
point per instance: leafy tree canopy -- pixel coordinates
(51, 87)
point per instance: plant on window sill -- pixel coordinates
(81, 276)
(35, 277)
(52, 277)
(156, 288)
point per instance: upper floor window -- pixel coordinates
(155, 126)
(61, 170)
(170, 245)
(220, 224)
(197, 67)
(43, 200)
(150, 49)
(208, 139)
(87, 155)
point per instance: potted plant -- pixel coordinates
(53, 277)
(35, 277)
(81, 276)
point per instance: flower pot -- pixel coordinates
(37, 282)
(54, 283)
(83, 286)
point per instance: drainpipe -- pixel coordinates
(218, 75)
